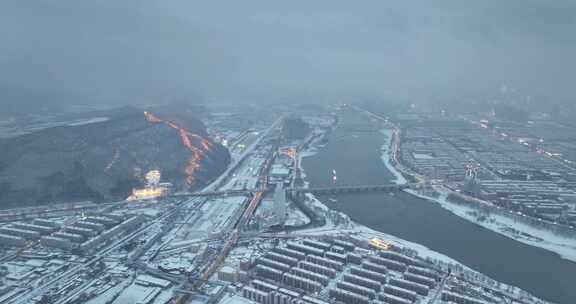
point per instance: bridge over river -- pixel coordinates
(350, 189)
(313, 190)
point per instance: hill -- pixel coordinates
(105, 160)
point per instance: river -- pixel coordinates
(353, 152)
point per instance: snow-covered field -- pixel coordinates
(216, 215)
(506, 226)
(385, 149)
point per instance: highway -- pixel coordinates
(233, 235)
(213, 186)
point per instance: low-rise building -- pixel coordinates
(12, 241)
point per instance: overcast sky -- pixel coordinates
(149, 50)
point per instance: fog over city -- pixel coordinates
(287, 152)
(144, 51)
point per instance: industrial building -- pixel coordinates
(268, 272)
(291, 253)
(460, 299)
(416, 287)
(390, 264)
(282, 258)
(363, 291)
(317, 244)
(26, 234)
(369, 274)
(12, 241)
(106, 221)
(305, 249)
(392, 299)
(345, 296)
(325, 262)
(280, 203)
(87, 233)
(106, 236)
(43, 230)
(263, 286)
(274, 264)
(322, 279)
(256, 295)
(329, 272)
(420, 279)
(55, 242)
(228, 274)
(46, 223)
(375, 267)
(76, 238)
(279, 173)
(362, 281)
(301, 283)
(401, 293)
(90, 225)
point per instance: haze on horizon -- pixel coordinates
(143, 51)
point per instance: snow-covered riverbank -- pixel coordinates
(351, 228)
(338, 223)
(507, 226)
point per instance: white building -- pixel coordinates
(280, 203)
